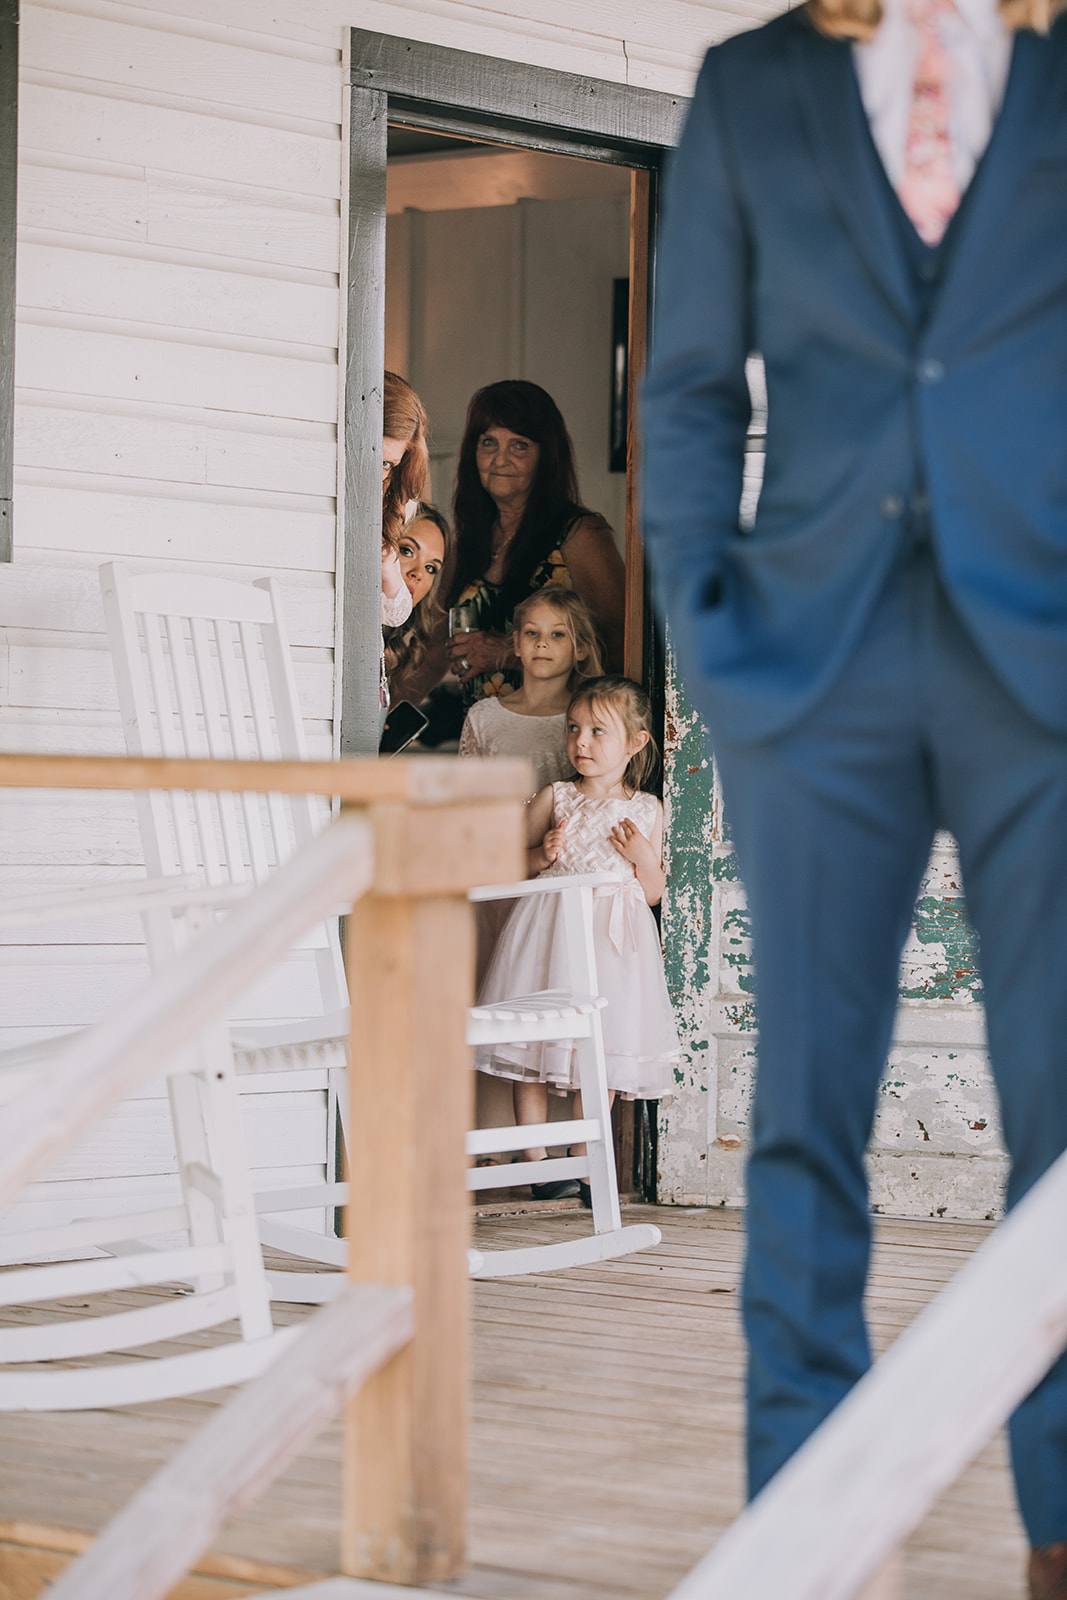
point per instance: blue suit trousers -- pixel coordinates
(833, 821)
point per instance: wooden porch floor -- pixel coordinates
(605, 1441)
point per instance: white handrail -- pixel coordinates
(867, 1477)
(517, 891)
(175, 1517)
(96, 1069)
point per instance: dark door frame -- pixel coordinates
(459, 93)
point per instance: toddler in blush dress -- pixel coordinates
(602, 821)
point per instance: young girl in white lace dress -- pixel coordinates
(602, 821)
(557, 647)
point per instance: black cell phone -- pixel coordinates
(403, 724)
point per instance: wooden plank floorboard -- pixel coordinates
(606, 1427)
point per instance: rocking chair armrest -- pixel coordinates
(114, 899)
(323, 1029)
(514, 891)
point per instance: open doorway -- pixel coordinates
(501, 226)
(505, 263)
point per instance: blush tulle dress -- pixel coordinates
(640, 1038)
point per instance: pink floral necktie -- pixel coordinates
(928, 189)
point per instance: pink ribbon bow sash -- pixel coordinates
(622, 924)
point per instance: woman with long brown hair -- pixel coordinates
(422, 548)
(519, 525)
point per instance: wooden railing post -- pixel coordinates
(409, 950)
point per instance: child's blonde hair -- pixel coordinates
(631, 705)
(573, 612)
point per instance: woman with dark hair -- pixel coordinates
(519, 524)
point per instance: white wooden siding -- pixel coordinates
(177, 402)
(180, 295)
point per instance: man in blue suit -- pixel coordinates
(874, 198)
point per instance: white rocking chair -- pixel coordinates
(204, 668)
(557, 1014)
(207, 1239)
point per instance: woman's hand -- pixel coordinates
(473, 653)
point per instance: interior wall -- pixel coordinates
(524, 290)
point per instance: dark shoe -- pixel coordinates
(1048, 1572)
(562, 1189)
(585, 1194)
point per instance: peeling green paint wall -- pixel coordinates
(935, 1149)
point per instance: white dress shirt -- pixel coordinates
(979, 46)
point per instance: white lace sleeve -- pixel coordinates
(396, 609)
(469, 744)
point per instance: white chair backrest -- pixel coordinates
(204, 668)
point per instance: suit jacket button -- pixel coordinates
(892, 506)
(930, 370)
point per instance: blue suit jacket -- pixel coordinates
(779, 235)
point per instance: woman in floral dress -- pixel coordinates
(520, 526)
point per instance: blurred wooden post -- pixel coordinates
(410, 957)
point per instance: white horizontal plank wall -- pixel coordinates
(177, 388)
(177, 402)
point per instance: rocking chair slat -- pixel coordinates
(489, 1141)
(194, 743)
(121, 1330)
(209, 682)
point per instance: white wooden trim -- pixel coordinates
(518, 891)
(306, 1288)
(181, 594)
(148, 894)
(17, 1248)
(488, 1141)
(122, 1330)
(302, 1241)
(132, 1383)
(581, 1252)
(98, 1068)
(867, 1477)
(304, 1199)
(161, 1532)
(516, 1172)
(101, 1276)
